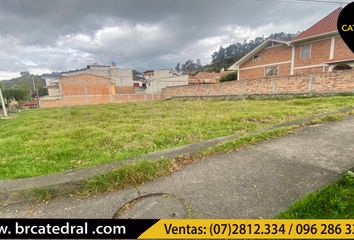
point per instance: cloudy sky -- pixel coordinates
(42, 36)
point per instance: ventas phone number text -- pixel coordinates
(281, 229)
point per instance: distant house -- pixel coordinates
(149, 74)
(317, 49)
(121, 79)
(86, 88)
(159, 79)
(52, 84)
(206, 77)
(139, 81)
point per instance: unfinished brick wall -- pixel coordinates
(84, 84)
(88, 100)
(124, 90)
(318, 83)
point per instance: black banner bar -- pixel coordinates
(74, 228)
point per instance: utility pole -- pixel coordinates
(3, 103)
(34, 87)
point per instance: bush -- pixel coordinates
(229, 77)
(20, 94)
(342, 67)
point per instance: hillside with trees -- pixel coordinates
(22, 88)
(227, 56)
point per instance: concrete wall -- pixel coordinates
(318, 83)
(52, 84)
(122, 77)
(53, 91)
(155, 85)
(163, 73)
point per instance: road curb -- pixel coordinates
(20, 190)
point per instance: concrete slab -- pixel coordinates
(248, 184)
(149, 206)
(329, 146)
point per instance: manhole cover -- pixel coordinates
(157, 205)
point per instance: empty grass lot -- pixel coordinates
(44, 141)
(335, 201)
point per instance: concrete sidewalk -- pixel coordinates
(256, 182)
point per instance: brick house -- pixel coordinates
(81, 89)
(317, 49)
(121, 79)
(206, 77)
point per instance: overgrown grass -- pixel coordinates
(140, 172)
(248, 140)
(40, 195)
(335, 201)
(39, 142)
(147, 170)
(128, 175)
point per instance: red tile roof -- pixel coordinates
(205, 77)
(325, 25)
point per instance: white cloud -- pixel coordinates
(55, 35)
(8, 75)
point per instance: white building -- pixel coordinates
(52, 84)
(157, 80)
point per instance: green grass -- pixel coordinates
(40, 194)
(248, 140)
(335, 201)
(140, 172)
(128, 175)
(44, 141)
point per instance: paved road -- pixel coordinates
(256, 182)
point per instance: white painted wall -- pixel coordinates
(155, 85)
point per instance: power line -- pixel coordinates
(309, 1)
(322, 1)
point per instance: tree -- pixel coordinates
(178, 67)
(229, 77)
(225, 57)
(189, 67)
(198, 64)
(20, 94)
(25, 83)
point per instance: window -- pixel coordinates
(256, 58)
(305, 51)
(342, 67)
(271, 71)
